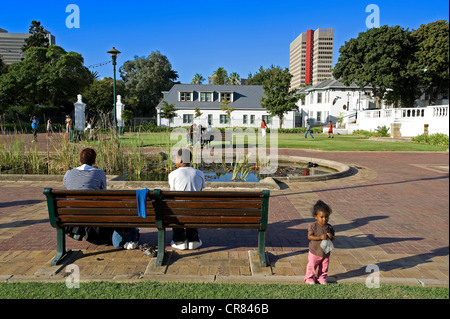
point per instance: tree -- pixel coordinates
(168, 111)
(432, 57)
(376, 58)
(221, 76)
(279, 99)
(146, 79)
(228, 110)
(46, 76)
(197, 112)
(3, 67)
(99, 96)
(38, 37)
(198, 79)
(127, 115)
(235, 79)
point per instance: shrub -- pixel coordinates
(433, 139)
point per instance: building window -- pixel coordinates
(252, 119)
(210, 119)
(228, 96)
(206, 96)
(188, 118)
(267, 119)
(224, 119)
(185, 97)
(244, 119)
(319, 98)
(319, 116)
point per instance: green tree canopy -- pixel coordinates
(99, 95)
(38, 37)
(168, 111)
(145, 79)
(432, 57)
(197, 79)
(276, 83)
(46, 76)
(221, 76)
(376, 58)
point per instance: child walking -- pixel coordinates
(320, 235)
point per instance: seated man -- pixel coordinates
(186, 178)
(86, 177)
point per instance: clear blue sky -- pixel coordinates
(200, 36)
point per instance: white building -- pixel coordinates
(11, 45)
(246, 100)
(331, 100)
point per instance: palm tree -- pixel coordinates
(198, 79)
(235, 79)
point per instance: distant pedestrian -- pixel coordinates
(34, 127)
(68, 122)
(320, 235)
(308, 130)
(263, 128)
(330, 130)
(49, 127)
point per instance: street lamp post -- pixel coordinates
(114, 53)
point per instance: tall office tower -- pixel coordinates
(311, 57)
(11, 45)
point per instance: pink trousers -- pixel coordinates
(321, 264)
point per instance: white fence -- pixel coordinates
(412, 121)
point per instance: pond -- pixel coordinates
(229, 173)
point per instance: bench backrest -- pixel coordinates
(111, 208)
(215, 209)
(118, 208)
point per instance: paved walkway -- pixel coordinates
(393, 212)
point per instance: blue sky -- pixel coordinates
(200, 36)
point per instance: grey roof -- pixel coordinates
(328, 84)
(244, 96)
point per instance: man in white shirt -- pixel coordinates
(186, 178)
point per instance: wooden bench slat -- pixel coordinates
(211, 204)
(102, 211)
(212, 219)
(212, 212)
(222, 226)
(106, 219)
(97, 203)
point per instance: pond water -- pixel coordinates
(215, 173)
(220, 173)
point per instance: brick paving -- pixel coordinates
(392, 212)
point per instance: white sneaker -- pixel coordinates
(195, 244)
(130, 245)
(181, 246)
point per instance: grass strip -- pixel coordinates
(183, 290)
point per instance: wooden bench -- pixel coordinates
(164, 209)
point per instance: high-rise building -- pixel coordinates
(11, 45)
(311, 57)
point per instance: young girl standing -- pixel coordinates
(319, 234)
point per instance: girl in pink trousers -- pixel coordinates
(320, 235)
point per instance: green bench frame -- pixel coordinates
(164, 209)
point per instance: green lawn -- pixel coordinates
(320, 142)
(175, 290)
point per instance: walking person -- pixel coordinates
(330, 130)
(68, 122)
(308, 130)
(263, 128)
(186, 178)
(49, 127)
(34, 127)
(320, 235)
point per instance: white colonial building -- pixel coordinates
(355, 108)
(245, 99)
